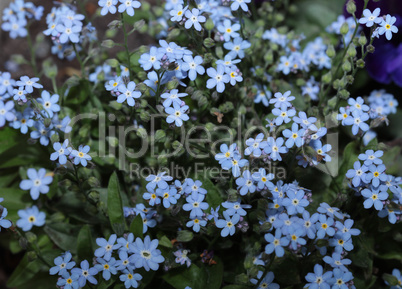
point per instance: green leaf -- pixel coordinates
(234, 287)
(24, 272)
(115, 205)
(62, 236)
(14, 200)
(350, 155)
(84, 243)
(213, 196)
(8, 138)
(391, 279)
(214, 274)
(137, 226)
(184, 236)
(180, 279)
(165, 242)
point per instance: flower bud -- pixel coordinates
(351, 6)
(362, 40)
(326, 78)
(346, 66)
(209, 24)
(344, 28)
(209, 42)
(370, 48)
(330, 51)
(360, 63)
(351, 50)
(32, 256)
(108, 43)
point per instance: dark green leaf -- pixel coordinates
(24, 272)
(115, 205)
(84, 243)
(64, 238)
(137, 226)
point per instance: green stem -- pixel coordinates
(126, 43)
(77, 55)
(33, 56)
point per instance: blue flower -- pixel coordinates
(108, 267)
(106, 247)
(193, 66)
(357, 120)
(214, 214)
(169, 196)
(374, 197)
(266, 283)
(129, 278)
(81, 155)
(127, 93)
(294, 136)
(276, 243)
(172, 97)
(123, 262)
(113, 84)
(30, 217)
(6, 83)
(69, 32)
(295, 202)
(396, 273)
(283, 114)
(319, 279)
(237, 47)
(228, 30)
(29, 83)
(85, 274)
(275, 147)
(108, 6)
(37, 184)
(358, 104)
(263, 96)
(16, 26)
(263, 179)
(182, 257)
(227, 153)
(24, 120)
(128, 6)
(62, 264)
(195, 205)
(239, 3)
(235, 208)
(309, 224)
(61, 151)
(218, 78)
(246, 183)
(193, 187)
(3, 222)
(346, 227)
(196, 224)
(370, 17)
(388, 27)
(282, 100)
(128, 239)
(235, 164)
(305, 122)
(145, 254)
(285, 64)
(68, 281)
(6, 112)
(337, 261)
(19, 94)
(159, 180)
(340, 278)
(332, 212)
(371, 157)
(194, 19)
(228, 225)
(295, 234)
(341, 242)
(177, 13)
(177, 114)
(344, 113)
(321, 151)
(375, 175)
(42, 132)
(324, 227)
(357, 174)
(151, 59)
